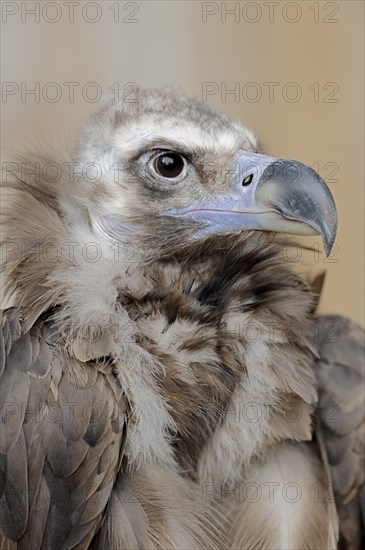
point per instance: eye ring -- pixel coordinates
(169, 166)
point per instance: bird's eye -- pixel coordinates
(170, 165)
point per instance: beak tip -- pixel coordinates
(329, 236)
(328, 245)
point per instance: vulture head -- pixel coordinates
(179, 175)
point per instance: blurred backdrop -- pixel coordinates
(291, 71)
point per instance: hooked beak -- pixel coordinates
(269, 194)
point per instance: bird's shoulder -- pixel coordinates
(341, 419)
(62, 430)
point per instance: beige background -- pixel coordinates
(168, 42)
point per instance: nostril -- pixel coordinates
(247, 180)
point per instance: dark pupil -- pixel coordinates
(169, 165)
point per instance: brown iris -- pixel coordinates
(169, 165)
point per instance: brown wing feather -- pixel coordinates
(340, 373)
(61, 440)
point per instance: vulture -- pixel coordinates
(165, 381)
